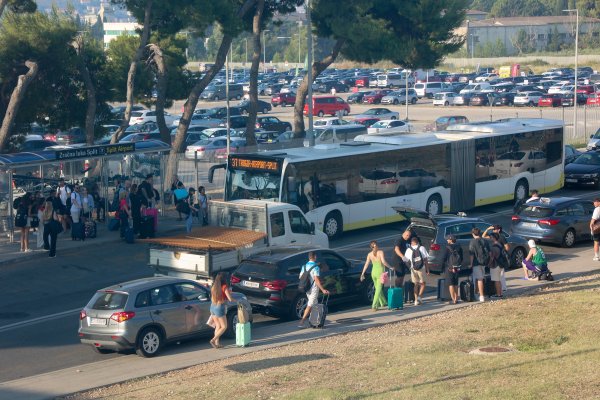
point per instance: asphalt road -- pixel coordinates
(41, 299)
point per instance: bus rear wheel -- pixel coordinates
(333, 225)
(521, 190)
(434, 204)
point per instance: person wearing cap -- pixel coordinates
(452, 264)
(595, 220)
(497, 229)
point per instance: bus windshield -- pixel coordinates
(252, 184)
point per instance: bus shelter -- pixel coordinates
(34, 172)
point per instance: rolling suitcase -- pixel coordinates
(243, 334)
(443, 293)
(466, 290)
(395, 294)
(77, 231)
(146, 227)
(318, 313)
(409, 292)
(489, 287)
(90, 229)
(153, 212)
(129, 235)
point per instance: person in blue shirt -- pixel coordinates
(315, 286)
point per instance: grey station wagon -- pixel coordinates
(147, 313)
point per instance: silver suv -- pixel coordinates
(145, 314)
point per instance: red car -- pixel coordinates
(362, 81)
(586, 89)
(366, 121)
(375, 96)
(550, 100)
(283, 99)
(593, 99)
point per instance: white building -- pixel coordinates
(112, 30)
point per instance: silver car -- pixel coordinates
(147, 313)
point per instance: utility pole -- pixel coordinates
(309, 43)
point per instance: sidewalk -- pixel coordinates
(119, 369)
(9, 252)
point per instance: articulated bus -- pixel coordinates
(352, 185)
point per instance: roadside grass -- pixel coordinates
(553, 334)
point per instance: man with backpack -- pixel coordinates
(499, 261)
(417, 258)
(497, 229)
(479, 249)
(453, 260)
(310, 283)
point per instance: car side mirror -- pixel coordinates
(203, 297)
(312, 228)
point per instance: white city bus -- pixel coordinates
(346, 186)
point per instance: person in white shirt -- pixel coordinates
(417, 256)
(596, 220)
(76, 204)
(535, 195)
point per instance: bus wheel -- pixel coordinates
(434, 205)
(333, 225)
(521, 190)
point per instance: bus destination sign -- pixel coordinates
(250, 163)
(95, 151)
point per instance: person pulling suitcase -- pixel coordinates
(310, 283)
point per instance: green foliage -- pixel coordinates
(517, 8)
(413, 34)
(522, 42)
(22, 6)
(554, 41)
(482, 5)
(489, 49)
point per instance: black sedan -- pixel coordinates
(356, 98)
(263, 106)
(327, 86)
(269, 280)
(585, 170)
(273, 124)
(504, 99)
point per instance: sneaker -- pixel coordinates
(596, 258)
(301, 325)
(481, 299)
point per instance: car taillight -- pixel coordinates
(258, 126)
(82, 314)
(515, 218)
(235, 279)
(200, 149)
(122, 316)
(279, 284)
(389, 181)
(435, 247)
(548, 221)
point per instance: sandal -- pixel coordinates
(214, 346)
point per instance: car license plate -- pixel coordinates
(530, 224)
(254, 285)
(571, 180)
(98, 321)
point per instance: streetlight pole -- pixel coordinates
(576, 67)
(264, 50)
(309, 75)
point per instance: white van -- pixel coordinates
(390, 80)
(338, 134)
(428, 89)
(475, 87)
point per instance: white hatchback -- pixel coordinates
(444, 98)
(527, 99)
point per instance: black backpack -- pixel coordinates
(503, 260)
(454, 257)
(304, 284)
(416, 259)
(482, 251)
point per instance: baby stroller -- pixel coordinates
(539, 272)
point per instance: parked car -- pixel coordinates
(72, 136)
(504, 99)
(146, 314)
(36, 145)
(481, 99)
(205, 149)
(379, 112)
(235, 122)
(444, 98)
(272, 124)
(399, 97)
(237, 145)
(560, 220)
(486, 77)
(530, 99)
(571, 154)
(283, 99)
(397, 125)
(139, 117)
(593, 100)
(269, 280)
(444, 122)
(331, 105)
(584, 170)
(219, 92)
(140, 137)
(272, 89)
(263, 106)
(550, 100)
(375, 96)
(594, 142)
(433, 229)
(368, 122)
(586, 89)
(463, 99)
(567, 100)
(429, 89)
(326, 86)
(363, 81)
(356, 98)
(331, 121)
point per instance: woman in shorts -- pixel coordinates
(219, 294)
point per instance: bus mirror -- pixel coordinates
(211, 171)
(312, 228)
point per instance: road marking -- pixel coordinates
(38, 320)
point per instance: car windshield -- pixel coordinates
(379, 124)
(536, 212)
(588, 159)
(596, 135)
(258, 269)
(109, 301)
(320, 123)
(136, 114)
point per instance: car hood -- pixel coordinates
(581, 169)
(593, 142)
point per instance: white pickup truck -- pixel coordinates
(236, 230)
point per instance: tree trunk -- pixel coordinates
(192, 101)
(15, 101)
(132, 71)
(3, 4)
(90, 115)
(156, 58)
(253, 106)
(317, 68)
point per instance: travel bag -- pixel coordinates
(129, 235)
(147, 227)
(318, 313)
(489, 286)
(466, 290)
(395, 294)
(77, 231)
(90, 229)
(153, 212)
(443, 292)
(243, 334)
(409, 292)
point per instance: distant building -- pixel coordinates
(539, 30)
(475, 15)
(112, 30)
